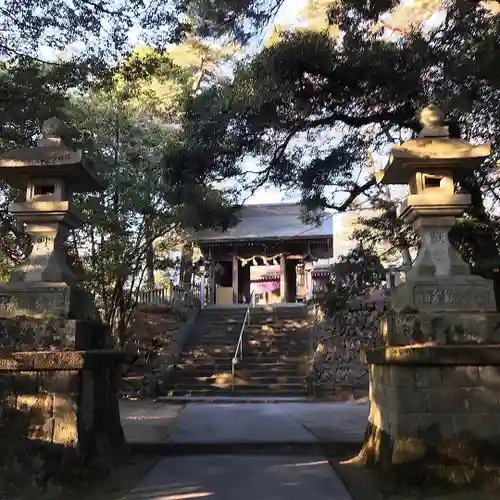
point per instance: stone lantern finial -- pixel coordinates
(432, 121)
(431, 116)
(55, 133)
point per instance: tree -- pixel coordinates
(91, 33)
(126, 132)
(356, 273)
(309, 108)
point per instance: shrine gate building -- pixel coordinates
(269, 253)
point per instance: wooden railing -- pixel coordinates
(169, 294)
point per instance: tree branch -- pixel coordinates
(355, 192)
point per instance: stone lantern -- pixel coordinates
(435, 377)
(48, 175)
(430, 165)
(58, 369)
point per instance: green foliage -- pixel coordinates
(356, 273)
(310, 108)
(138, 207)
(107, 26)
(125, 127)
(387, 228)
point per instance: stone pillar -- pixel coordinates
(283, 283)
(235, 268)
(309, 284)
(202, 291)
(434, 382)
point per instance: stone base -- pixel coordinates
(46, 300)
(444, 294)
(66, 400)
(428, 401)
(38, 334)
(399, 329)
(419, 458)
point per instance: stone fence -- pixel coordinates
(338, 370)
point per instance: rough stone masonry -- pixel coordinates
(59, 374)
(435, 382)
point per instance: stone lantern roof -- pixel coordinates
(53, 157)
(433, 149)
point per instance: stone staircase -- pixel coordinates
(276, 352)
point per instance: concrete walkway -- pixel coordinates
(248, 477)
(230, 477)
(286, 423)
(147, 422)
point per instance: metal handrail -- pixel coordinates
(238, 354)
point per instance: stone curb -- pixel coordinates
(180, 400)
(269, 448)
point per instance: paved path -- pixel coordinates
(147, 422)
(252, 477)
(237, 423)
(270, 423)
(232, 477)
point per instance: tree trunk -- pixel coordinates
(186, 264)
(150, 253)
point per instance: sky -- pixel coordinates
(288, 15)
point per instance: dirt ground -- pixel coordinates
(363, 484)
(120, 481)
(143, 423)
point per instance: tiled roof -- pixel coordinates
(271, 221)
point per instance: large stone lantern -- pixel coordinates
(431, 164)
(48, 175)
(435, 377)
(59, 372)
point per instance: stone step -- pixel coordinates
(238, 391)
(244, 387)
(255, 322)
(255, 343)
(270, 380)
(207, 367)
(232, 336)
(246, 372)
(248, 359)
(249, 356)
(261, 344)
(271, 327)
(229, 337)
(256, 373)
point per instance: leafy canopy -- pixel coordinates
(312, 106)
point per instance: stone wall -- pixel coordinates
(63, 398)
(337, 368)
(157, 334)
(22, 334)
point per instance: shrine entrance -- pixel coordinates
(265, 254)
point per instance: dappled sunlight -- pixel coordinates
(309, 464)
(143, 417)
(273, 354)
(169, 492)
(187, 496)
